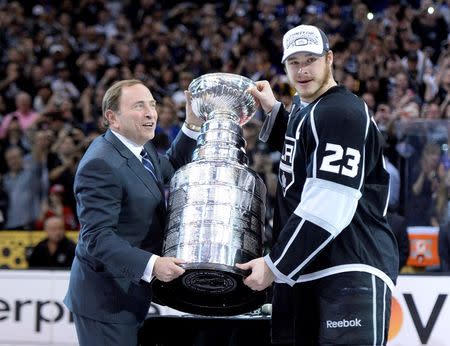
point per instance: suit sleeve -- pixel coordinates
(178, 155)
(99, 197)
(335, 150)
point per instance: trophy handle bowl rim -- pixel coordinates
(206, 82)
(217, 74)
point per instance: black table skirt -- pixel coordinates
(192, 330)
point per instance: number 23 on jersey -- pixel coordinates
(340, 161)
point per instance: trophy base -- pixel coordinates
(209, 289)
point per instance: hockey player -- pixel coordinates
(334, 259)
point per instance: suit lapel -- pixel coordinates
(135, 165)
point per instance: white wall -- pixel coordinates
(32, 312)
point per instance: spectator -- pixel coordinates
(54, 206)
(62, 170)
(369, 99)
(24, 114)
(185, 78)
(167, 127)
(24, 188)
(402, 94)
(431, 111)
(444, 84)
(396, 221)
(40, 153)
(55, 251)
(42, 97)
(14, 137)
(416, 62)
(12, 83)
(426, 181)
(442, 210)
(62, 85)
(3, 205)
(431, 28)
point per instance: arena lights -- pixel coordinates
(370, 16)
(430, 10)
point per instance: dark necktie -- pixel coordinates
(148, 164)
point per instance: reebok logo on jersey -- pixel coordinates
(344, 323)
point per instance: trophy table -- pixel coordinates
(216, 206)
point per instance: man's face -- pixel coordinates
(309, 74)
(42, 140)
(55, 229)
(14, 159)
(23, 102)
(137, 116)
(401, 80)
(383, 113)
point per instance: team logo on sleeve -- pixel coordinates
(286, 172)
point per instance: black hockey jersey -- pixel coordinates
(332, 192)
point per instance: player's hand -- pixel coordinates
(263, 93)
(167, 268)
(261, 276)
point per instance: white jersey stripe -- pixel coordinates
(384, 315)
(364, 150)
(368, 119)
(297, 132)
(344, 268)
(328, 204)
(374, 310)
(316, 137)
(389, 190)
(290, 242)
(312, 255)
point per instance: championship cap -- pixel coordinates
(305, 39)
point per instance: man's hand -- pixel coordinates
(191, 118)
(167, 269)
(261, 276)
(264, 95)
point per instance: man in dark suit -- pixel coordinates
(121, 208)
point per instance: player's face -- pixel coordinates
(309, 74)
(136, 118)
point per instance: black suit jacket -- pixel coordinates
(122, 215)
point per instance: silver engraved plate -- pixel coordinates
(216, 206)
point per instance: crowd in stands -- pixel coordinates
(57, 58)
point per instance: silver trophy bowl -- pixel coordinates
(216, 206)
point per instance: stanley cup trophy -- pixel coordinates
(216, 206)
